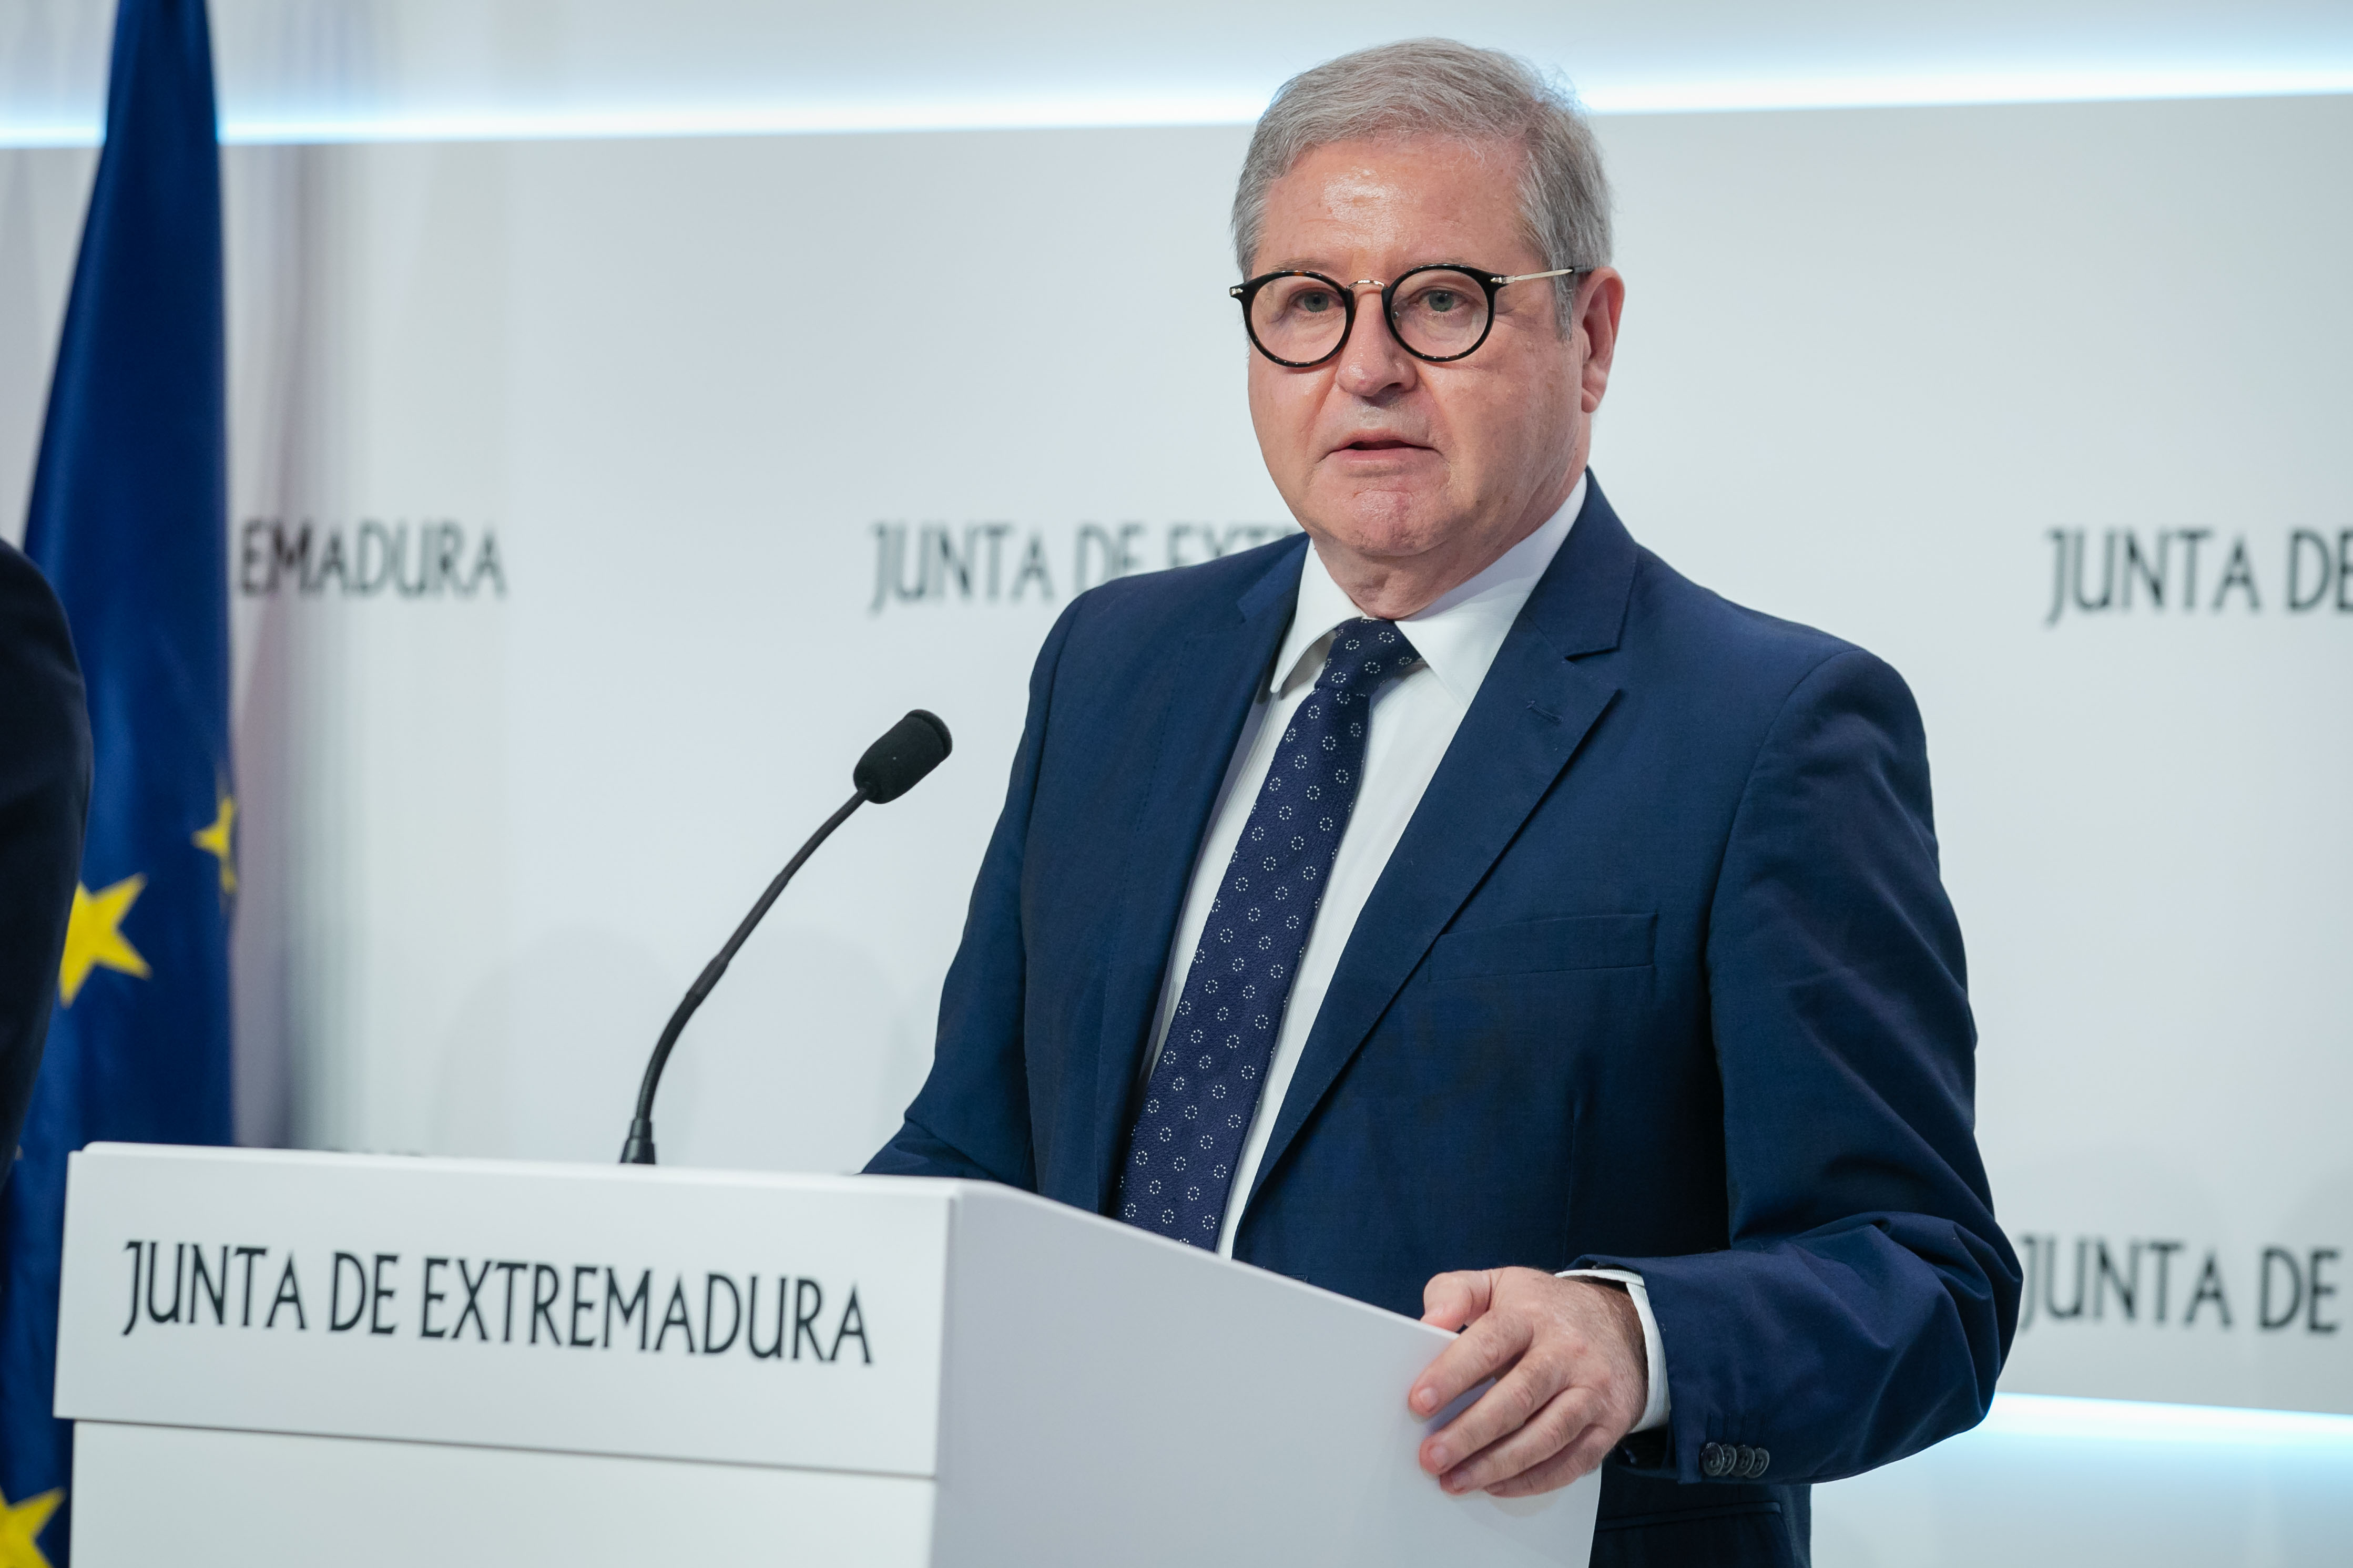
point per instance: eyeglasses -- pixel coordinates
(1439, 312)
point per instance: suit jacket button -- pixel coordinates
(1714, 1460)
(1758, 1460)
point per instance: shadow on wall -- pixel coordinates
(291, 946)
(541, 1060)
(800, 1061)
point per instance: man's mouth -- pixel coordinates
(1383, 444)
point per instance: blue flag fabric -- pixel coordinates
(129, 523)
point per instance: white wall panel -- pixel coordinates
(1873, 361)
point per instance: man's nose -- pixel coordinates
(1372, 360)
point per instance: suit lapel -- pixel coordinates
(1203, 699)
(1532, 712)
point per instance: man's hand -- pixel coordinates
(1571, 1379)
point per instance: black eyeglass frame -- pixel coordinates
(1492, 282)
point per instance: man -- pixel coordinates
(44, 790)
(1459, 910)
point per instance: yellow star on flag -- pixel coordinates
(215, 840)
(94, 939)
(20, 1526)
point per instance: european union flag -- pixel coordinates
(129, 521)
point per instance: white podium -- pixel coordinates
(290, 1358)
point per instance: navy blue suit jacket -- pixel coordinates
(44, 794)
(1661, 976)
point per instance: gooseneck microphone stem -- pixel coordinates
(639, 1148)
(906, 753)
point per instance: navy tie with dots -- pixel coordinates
(1205, 1086)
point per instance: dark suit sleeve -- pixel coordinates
(1868, 1297)
(972, 1117)
(44, 792)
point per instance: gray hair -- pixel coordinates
(1436, 87)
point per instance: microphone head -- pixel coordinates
(897, 762)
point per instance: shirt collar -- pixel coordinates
(1460, 632)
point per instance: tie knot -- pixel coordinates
(1366, 655)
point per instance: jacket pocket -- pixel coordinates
(1538, 947)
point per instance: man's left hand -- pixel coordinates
(1571, 1379)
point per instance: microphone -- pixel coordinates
(891, 767)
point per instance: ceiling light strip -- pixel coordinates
(1089, 111)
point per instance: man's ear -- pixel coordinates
(1600, 296)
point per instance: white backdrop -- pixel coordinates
(702, 395)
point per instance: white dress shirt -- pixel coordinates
(1414, 720)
